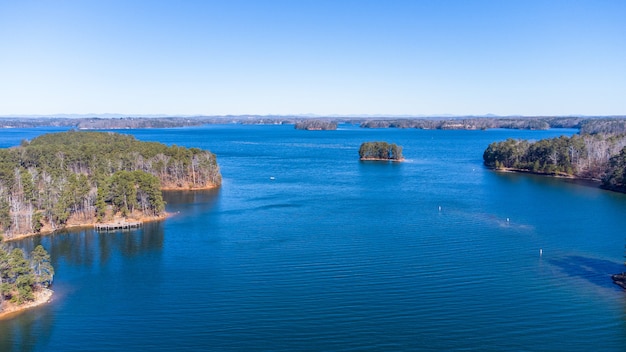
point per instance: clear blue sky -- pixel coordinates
(505, 57)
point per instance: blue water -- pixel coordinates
(306, 248)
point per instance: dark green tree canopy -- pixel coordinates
(380, 151)
(21, 277)
(79, 175)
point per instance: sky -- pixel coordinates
(235, 57)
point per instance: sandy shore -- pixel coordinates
(10, 310)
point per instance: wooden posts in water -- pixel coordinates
(118, 226)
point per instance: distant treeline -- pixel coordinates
(589, 156)
(479, 123)
(585, 125)
(609, 124)
(83, 177)
(316, 125)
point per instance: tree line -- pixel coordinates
(589, 156)
(588, 124)
(91, 176)
(476, 123)
(380, 151)
(21, 276)
(316, 125)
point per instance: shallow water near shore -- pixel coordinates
(304, 247)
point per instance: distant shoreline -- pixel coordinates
(10, 310)
(460, 122)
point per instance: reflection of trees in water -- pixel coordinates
(86, 247)
(27, 332)
(207, 197)
(146, 239)
(191, 203)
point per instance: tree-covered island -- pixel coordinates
(380, 151)
(80, 178)
(316, 125)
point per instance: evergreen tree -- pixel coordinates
(21, 274)
(43, 270)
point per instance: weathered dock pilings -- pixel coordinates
(125, 225)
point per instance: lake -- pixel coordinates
(305, 248)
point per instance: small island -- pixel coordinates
(316, 125)
(74, 178)
(382, 151)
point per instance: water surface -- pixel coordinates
(306, 248)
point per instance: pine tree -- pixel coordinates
(43, 270)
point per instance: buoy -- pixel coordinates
(440, 208)
(507, 219)
(540, 251)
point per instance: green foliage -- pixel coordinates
(380, 150)
(5, 214)
(43, 270)
(595, 156)
(58, 176)
(37, 225)
(19, 277)
(550, 156)
(130, 190)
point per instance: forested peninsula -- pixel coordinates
(80, 178)
(598, 156)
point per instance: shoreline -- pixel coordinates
(554, 175)
(91, 224)
(582, 181)
(183, 189)
(382, 159)
(42, 297)
(85, 225)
